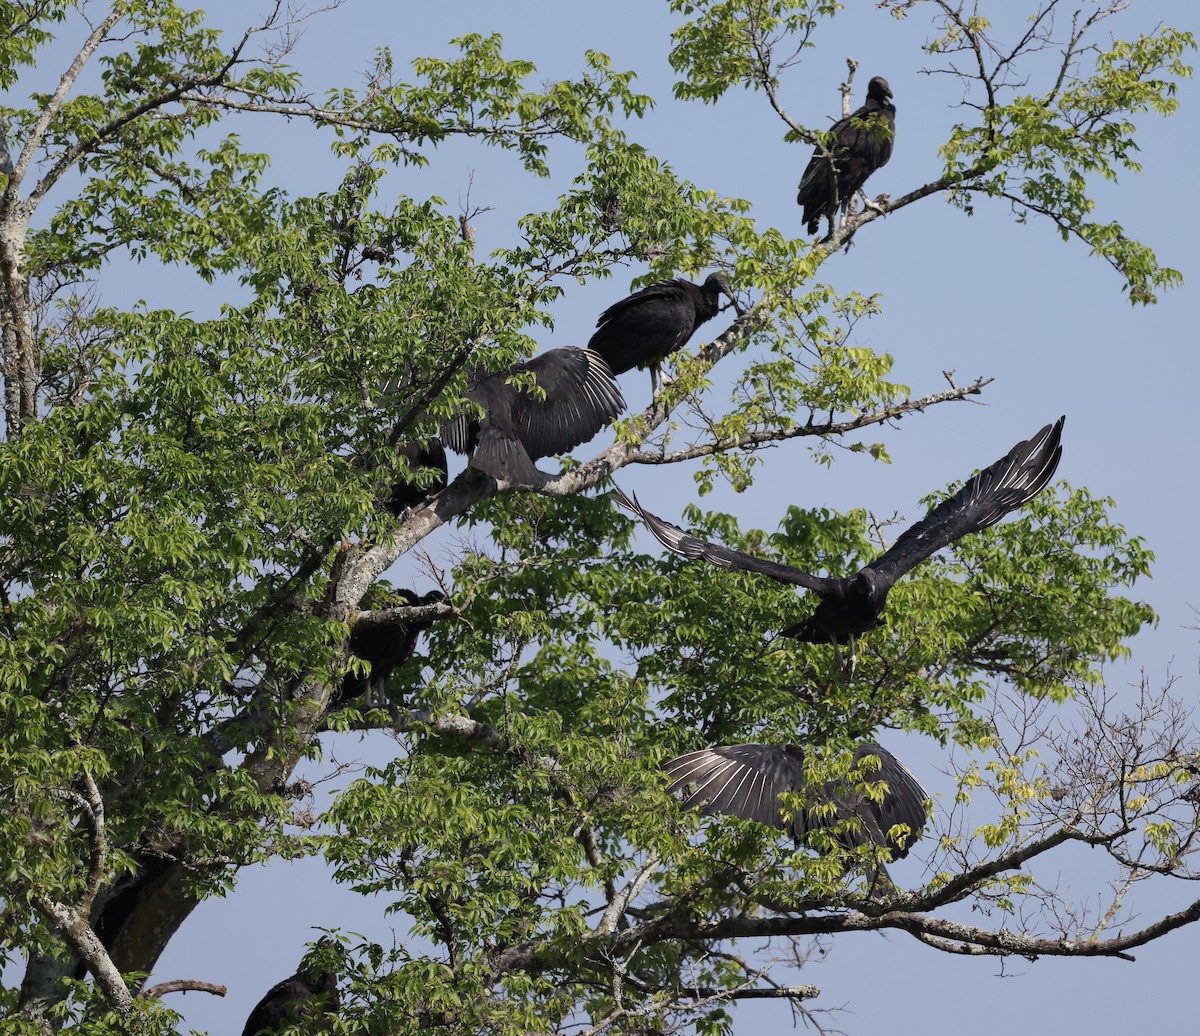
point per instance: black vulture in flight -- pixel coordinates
(308, 994)
(854, 148)
(6, 166)
(406, 494)
(645, 328)
(747, 780)
(385, 648)
(851, 605)
(575, 396)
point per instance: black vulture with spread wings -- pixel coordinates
(851, 605)
(856, 146)
(747, 780)
(572, 396)
(645, 328)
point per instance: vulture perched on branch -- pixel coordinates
(569, 398)
(307, 995)
(385, 647)
(406, 494)
(645, 328)
(852, 149)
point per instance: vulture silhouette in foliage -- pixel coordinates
(126, 895)
(645, 328)
(854, 148)
(747, 780)
(306, 996)
(385, 648)
(575, 396)
(406, 493)
(851, 605)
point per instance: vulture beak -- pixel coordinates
(732, 301)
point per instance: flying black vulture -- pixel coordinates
(854, 148)
(854, 604)
(644, 329)
(406, 494)
(575, 396)
(6, 166)
(385, 647)
(747, 780)
(308, 994)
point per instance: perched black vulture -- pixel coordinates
(575, 396)
(644, 329)
(127, 893)
(406, 494)
(385, 647)
(854, 148)
(309, 994)
(747, 780)
(854, 604)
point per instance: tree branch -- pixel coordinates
(183, 985)
(753, 439)
(79, 936)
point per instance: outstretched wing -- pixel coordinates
(739, 780)
(692, 547)
(903, 802)
(746, 781)
(1013, 480)
(581, 397)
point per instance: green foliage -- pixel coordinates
(193, 513)
(728, 43)
(1043, 151)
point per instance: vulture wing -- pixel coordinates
(692, 547)
(580, 399)
(1013, 480)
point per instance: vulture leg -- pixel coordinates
(658, 380)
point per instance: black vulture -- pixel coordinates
(644, 329)
(747, 780)
(854, 604)
(405, 493)
(575, 396)
(854, 147)
(307, 995)
(127, 893)
(385, 648)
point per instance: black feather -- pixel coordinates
(747, 780)
(854, 148)
(645, 328)
(572, 398)
(854, 604)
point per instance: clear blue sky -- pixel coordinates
(980, 295)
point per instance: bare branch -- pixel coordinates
(183, 985)
(828, 428)
(405, 613)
